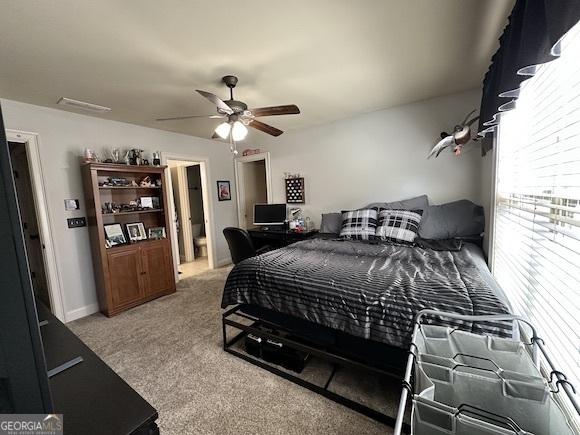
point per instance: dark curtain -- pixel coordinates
(530, 39)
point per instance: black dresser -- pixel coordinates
(91, 396)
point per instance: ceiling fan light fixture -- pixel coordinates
(223, 130)
(239, 131)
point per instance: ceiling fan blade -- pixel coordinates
(265, 128)
(216, 100)
(290, 109)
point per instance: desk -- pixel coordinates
(278, 238)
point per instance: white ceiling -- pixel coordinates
(333, 58)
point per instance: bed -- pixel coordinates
(371, 291)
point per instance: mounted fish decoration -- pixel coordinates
(461, 136)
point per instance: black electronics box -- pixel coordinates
(276, 352)
(254, 345)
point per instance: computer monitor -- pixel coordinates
(270, 214)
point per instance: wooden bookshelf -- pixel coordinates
(130, 274)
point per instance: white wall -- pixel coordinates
(379, 156)
(63, 137)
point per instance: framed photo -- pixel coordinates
(136, 231)
(224, 193)
(146, 202)
(71, 204)
(114, 234)
(157, 233)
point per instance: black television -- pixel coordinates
(270, 214)
(24, 385)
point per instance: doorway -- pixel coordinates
(30, 225)
(24, 149)
(253, 181)
(191, 218)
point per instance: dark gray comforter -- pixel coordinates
(369, 291)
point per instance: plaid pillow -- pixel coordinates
(399, 225)
(359, 224)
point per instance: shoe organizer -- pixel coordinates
(471, 384)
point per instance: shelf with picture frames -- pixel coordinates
(131, 267)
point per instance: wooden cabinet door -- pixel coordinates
(158, 273)
(125, 276)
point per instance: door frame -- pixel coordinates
(239, 172)
(204, 166)
(184, 208)
(54, 281)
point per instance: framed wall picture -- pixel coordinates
(71, 204)
(224, 193)
(295, 190)
(136, 231)
(157, 233)
(114, 234)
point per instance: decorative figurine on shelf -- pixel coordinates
(132, 157)
(158, 182)
(145, 162)
(115, 155)
(127, 157)
(117, 181)
(135, 156)
(156, 158)
(146, 182)
(90, 156)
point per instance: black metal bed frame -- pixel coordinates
(322, 353)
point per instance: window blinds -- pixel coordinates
(536, 248)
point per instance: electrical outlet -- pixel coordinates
(77, 222)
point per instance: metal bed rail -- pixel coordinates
(537, 347)
(325, 354)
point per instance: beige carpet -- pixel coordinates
(170, 351)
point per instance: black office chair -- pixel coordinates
(240, 244)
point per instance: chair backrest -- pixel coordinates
(240, 243)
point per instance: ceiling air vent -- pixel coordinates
(82, 105)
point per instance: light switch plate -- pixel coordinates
(77, 222)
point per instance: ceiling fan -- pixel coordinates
(237, 116)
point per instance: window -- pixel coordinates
(536, 249)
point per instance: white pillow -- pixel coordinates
(359, 224)
(399, 225)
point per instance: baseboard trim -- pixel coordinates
(81, 312)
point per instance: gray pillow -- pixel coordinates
(331, 223)
(417, 203)
(461, 218)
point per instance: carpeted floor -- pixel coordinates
(170, 351)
